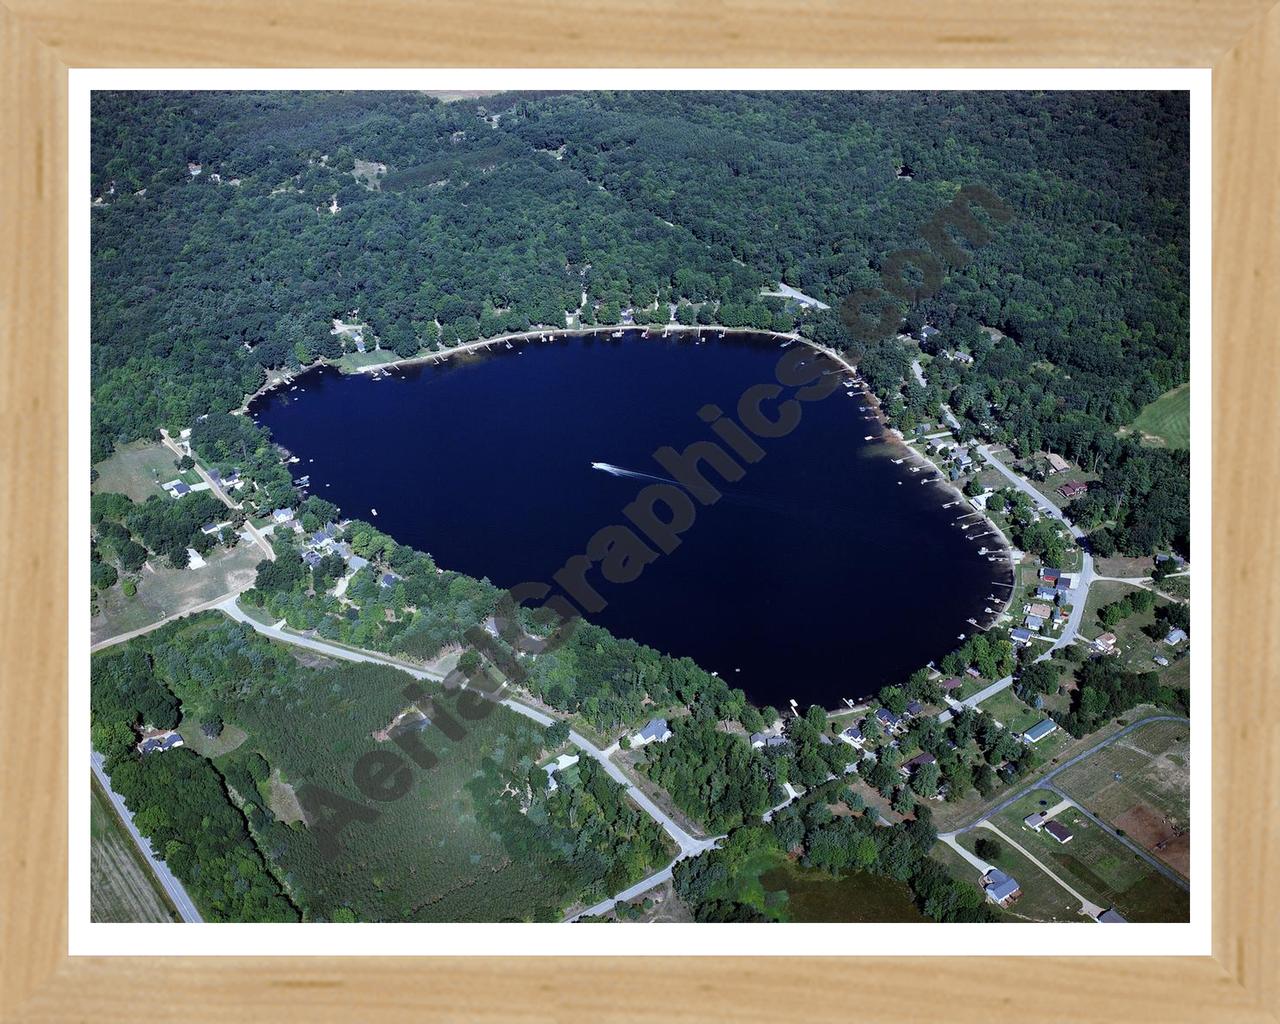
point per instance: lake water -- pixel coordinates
(826, 572)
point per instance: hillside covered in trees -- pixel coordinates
(231, 229)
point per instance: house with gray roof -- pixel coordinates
(655, 730)
(1000, 888)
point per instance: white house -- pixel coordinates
(558, 765)
(655, 731)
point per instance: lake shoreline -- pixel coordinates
(764, 340)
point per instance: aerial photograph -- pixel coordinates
(639, 507)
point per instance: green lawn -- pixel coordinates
(1095, 863)
(137, 470)
(1042, 898)
(1168, 418)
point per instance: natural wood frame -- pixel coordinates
(41, 39)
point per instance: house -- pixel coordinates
(1033, 623)
(927, 332)
(1035, 822)
(1000, 888)
(768, 739)
(1161, 660)
(1106, 643)
(973, 672)
(1020, 635)
(154, 740)
(387, 580)
(852, 736)
(194, 561)
(1111, 917)
(1063, 585)
(282, 515)
(355, 563)
(1040, 730)
(1073, 490)
(1057, 464)
(1059, 831)
(907, 768)
(1046, 594)
(558, 765)
(1175, 637)
(887, 718)
(1050, 575)
(179, 489)
(915, 708)
(654, 731)
(950, 684)
(1042, 611)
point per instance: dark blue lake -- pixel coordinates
(826, 572)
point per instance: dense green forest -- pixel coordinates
(507, 211)
(477, 838)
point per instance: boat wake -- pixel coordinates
(612, 470)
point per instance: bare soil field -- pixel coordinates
(163, 591)
(1141, 784)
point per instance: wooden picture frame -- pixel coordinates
(42, 39)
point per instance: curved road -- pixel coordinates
(689, 845)
(1046, 782)
(1084, 578)
(177, 893)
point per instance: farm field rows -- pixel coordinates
(1141, 784)
(1094, 863)
(121, 886)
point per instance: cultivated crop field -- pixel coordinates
(1141, 784)
(1095, 863)
(121, 888)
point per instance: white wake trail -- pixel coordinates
(612, 470)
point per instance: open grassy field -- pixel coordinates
(1011, 712)
(1167, 420)
(121, 886)
(1042, 898)
(1141, 784)
(137, 470)
(1137, 651)
(1094, 863)
(163, 591)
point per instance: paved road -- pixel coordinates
(204, 606)
(1083, 579)
(1087, 907)
(222, 496)
(644, 885)
(1042, 782)
(177, 892)
(1154, 861)
(689, 845)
